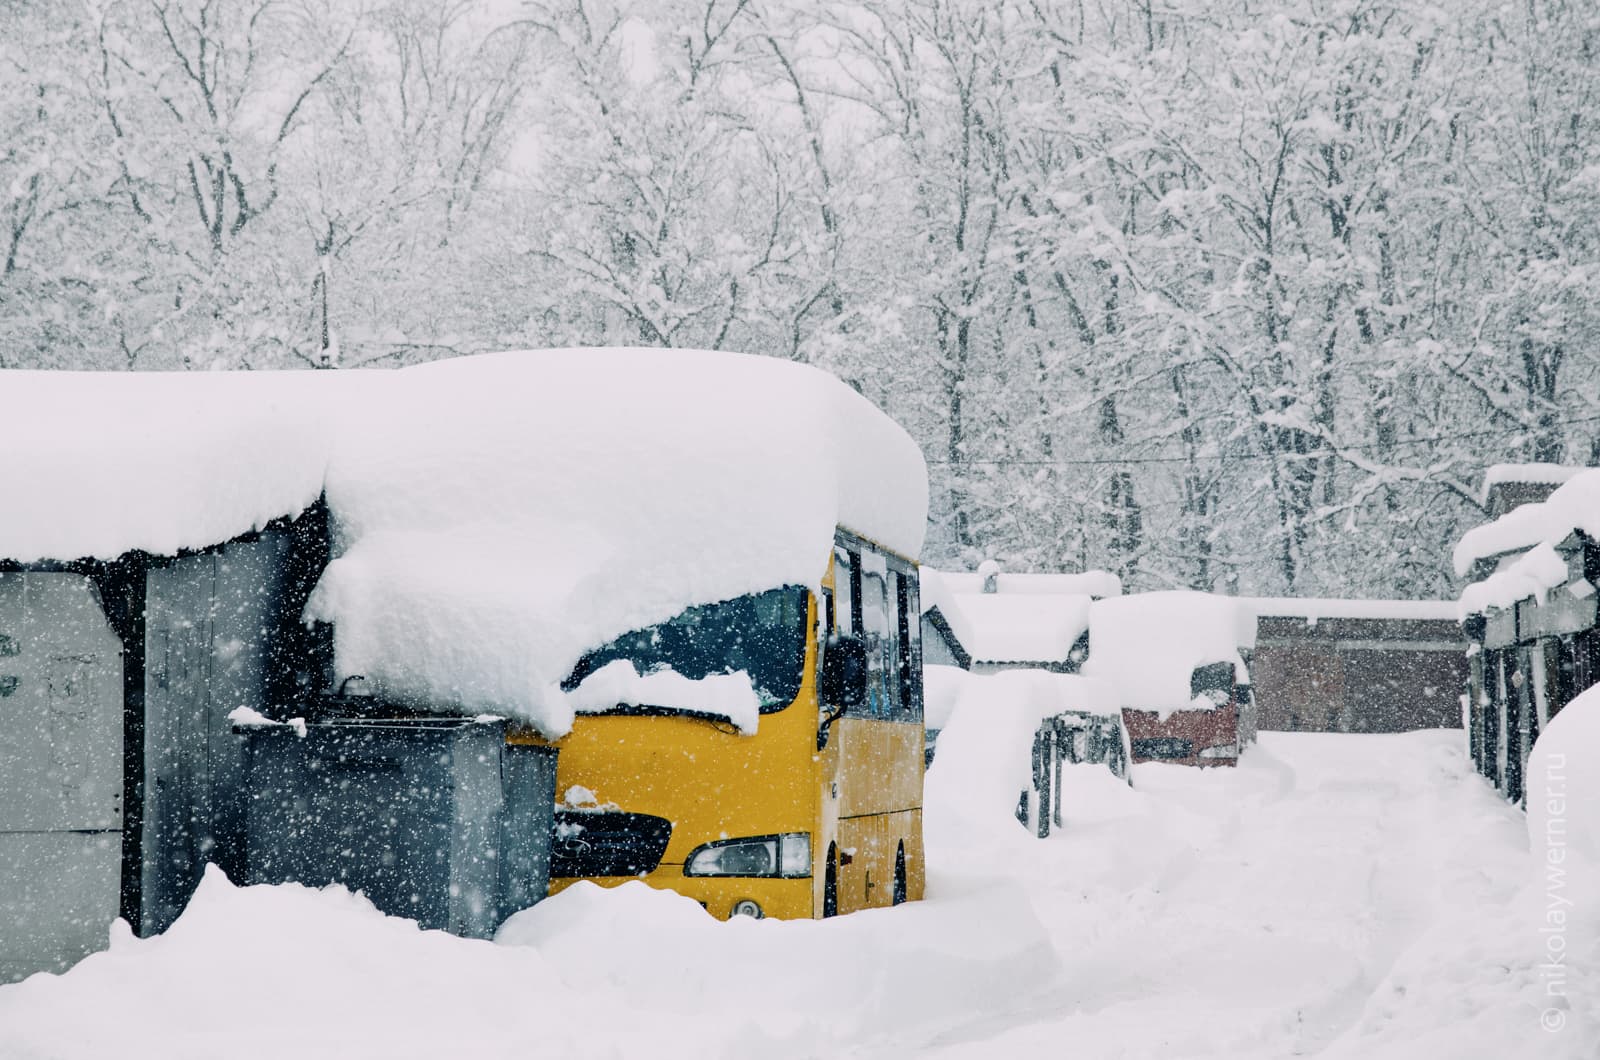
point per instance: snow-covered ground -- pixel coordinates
(1341, 896)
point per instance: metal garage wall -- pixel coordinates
(221, 631)
(60, 772)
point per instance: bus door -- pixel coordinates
(880, 752)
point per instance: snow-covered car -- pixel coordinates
(1177, 662)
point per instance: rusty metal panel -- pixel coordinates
(1298, 688)
(60, 771)
(1400, 690)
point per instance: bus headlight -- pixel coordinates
(788, 856)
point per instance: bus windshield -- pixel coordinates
(762, 634)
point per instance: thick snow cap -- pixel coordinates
(496, 517)
(1148, 645)
(1534, 530)
(1529, 576)
(1029, 618)
(1574, 505)
(1529, 474)
(103, 463)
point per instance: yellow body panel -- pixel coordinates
(880, 811)
(882, 765)
(868, 849)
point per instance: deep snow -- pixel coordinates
(497, 516)
(494, 517)
(1340, 896)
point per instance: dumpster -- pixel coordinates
(434, 819)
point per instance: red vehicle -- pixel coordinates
(1213, 735)
(1177, 660)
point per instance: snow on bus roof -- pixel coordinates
(1148, 645)
(496, 517)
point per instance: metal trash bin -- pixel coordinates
(435, 819)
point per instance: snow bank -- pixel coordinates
(1564, 789)
(497, 516)
(1312, 609)
(942, 687)
(925, 964)
(272, 972)
(268, 972)
(1574, 505)
(101, 463)
(985, 757)
(1147, 646)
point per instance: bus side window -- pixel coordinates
(909, 655)
(879, 629)
(847, 591)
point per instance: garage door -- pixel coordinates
(60, 772)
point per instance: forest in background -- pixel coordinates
(1220, 294)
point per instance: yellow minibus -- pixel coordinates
(819, 810)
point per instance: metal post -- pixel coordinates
(1041, 780)
(1060, 759)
